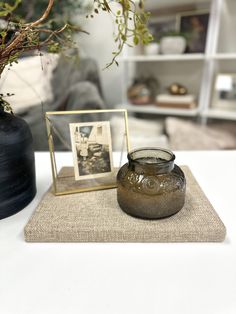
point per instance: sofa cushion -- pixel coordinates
(187, 135)
(29, 81)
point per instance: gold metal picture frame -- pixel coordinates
(64, 180)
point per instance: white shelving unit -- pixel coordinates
(220, 114)
(151, 109)
(196, 71)
(224, 56)
(163, 58)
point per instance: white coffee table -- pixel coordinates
(105, 278)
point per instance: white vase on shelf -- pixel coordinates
(151, 49)
(172, 45)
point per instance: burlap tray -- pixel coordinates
(96, 217)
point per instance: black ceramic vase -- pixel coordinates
(150, 185)
(17, 166)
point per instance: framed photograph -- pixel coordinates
(97, 142)
(224, 91)
(194, 26)
(92, 149)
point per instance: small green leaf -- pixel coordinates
(136, 40)
(123, 37)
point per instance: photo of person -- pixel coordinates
(194, 26)
(84, 146)
(92, 149)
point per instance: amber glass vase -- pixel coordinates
(150, 185)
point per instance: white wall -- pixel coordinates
(99, 45)
(227, 43)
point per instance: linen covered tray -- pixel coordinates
(96, 217)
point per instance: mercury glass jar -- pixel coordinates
(150, 185)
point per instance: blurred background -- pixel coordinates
(180, 90)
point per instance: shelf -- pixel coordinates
(183, 57)
(160, 58)
(224, 56)
(151, 109)
(196, 71)
(220, 114)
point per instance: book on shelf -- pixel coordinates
(176, 101)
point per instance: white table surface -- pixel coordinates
(106, 278)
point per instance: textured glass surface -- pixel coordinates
(150, 185)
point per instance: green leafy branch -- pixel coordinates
(28, 36)
(5, 104)
(131, 21)
(20, 36)
(6, 8)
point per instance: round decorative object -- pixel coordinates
(172, 45)
(139, 94)
(177, 89)
(150, 185)
(17, 166)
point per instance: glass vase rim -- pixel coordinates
(159, 163)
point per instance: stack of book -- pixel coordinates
(176, 101)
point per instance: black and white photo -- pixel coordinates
(92, 149)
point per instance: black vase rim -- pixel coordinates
(164, 162)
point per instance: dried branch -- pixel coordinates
(43, 17)
(17, 43)
(62, 29)
(19, 38)
(27, 36)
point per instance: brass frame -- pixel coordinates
(52, 151)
